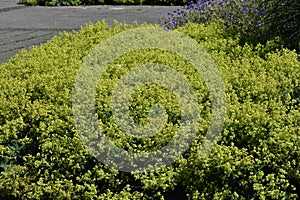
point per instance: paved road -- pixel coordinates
(22, 26)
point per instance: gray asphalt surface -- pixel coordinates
(23, 26)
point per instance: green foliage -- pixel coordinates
(283, 19)
(31, 2)
(257, 157)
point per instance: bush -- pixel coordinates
(31, 2)
(257, 157)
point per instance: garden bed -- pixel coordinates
(257, 156)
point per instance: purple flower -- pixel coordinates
(221, 3)
(246, 8)
(191, 6)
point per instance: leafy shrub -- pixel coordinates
(256, 21)
(31, 2)
(257, 156)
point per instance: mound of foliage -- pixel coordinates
(257, 21)
(257, 157)
(106, 2)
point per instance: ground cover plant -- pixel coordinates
(257, 157)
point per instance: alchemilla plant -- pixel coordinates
(256, 157)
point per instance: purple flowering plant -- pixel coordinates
(241, 16)
(207, 10)
(255, 20)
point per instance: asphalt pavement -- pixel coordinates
(23, 26)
